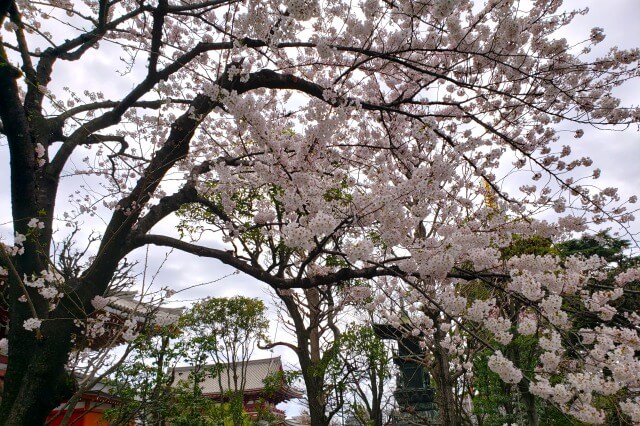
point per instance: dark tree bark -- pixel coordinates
(310, 355)
(445, 382)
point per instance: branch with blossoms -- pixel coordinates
(373, 147)
(549, 318)
(6, 260)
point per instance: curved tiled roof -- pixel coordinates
(125, 302)
(255, 373)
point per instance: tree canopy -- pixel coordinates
(324, 141)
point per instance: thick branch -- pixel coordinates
(4, 9)
(156, 35)
(27, 66)
(165, 207)
(110, 104)
(269, 346)
(225, 256)
(21, 148)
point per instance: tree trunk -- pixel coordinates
(316, 401)
(444, 395)
(529, 401)
(377, 390)
(36, 380)
(308, 352)
(507, 390)
(441, 375)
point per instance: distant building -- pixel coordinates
(257, 398)
(301, 420)
(124, 305)
(89, 409)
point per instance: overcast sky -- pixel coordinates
(616, 153)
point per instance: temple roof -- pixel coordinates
(124, 302)
(255, 371)
(123, 306)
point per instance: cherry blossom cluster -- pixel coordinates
(316, 136)
(18, 244)
(32, 324)
(48, 285)
(504, 368)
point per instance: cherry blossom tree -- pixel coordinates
(372, 132)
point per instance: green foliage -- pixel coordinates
(359, 415)
(601, 244)
(360, 345)
(220, 330)
(226, 327)
(227, 330)
(274, 381)
(495, 402)
(210, 414)
(340, 194)
(519, 246)
(191, 407)
(498, 403)
(197, 218)
(143, 382)
(332, 260)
